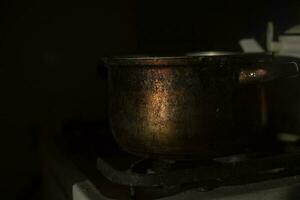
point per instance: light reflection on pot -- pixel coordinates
(158, 103)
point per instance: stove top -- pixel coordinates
(160, 178)
(114, 172)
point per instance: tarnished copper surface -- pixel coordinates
(250, 75)
(184, 110)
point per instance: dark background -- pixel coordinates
(50, 51)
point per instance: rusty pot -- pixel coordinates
(190, 107)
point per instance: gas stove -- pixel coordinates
(107, 172)
(161, 178)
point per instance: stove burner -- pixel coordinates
(170, 177)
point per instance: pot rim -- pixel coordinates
(206, 57)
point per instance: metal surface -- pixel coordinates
(186, 106)
(278, 189)
(85, 190)
(211, 53)
(252, 170)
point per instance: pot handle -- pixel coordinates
(274, 71)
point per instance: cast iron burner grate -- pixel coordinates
(167, 177)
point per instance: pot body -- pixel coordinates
(186, 107)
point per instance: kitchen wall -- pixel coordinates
(179, 26)
(49, 55)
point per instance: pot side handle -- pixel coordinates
(274, 71)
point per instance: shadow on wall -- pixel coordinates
(48, 57)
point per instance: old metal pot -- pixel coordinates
(190, 107)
